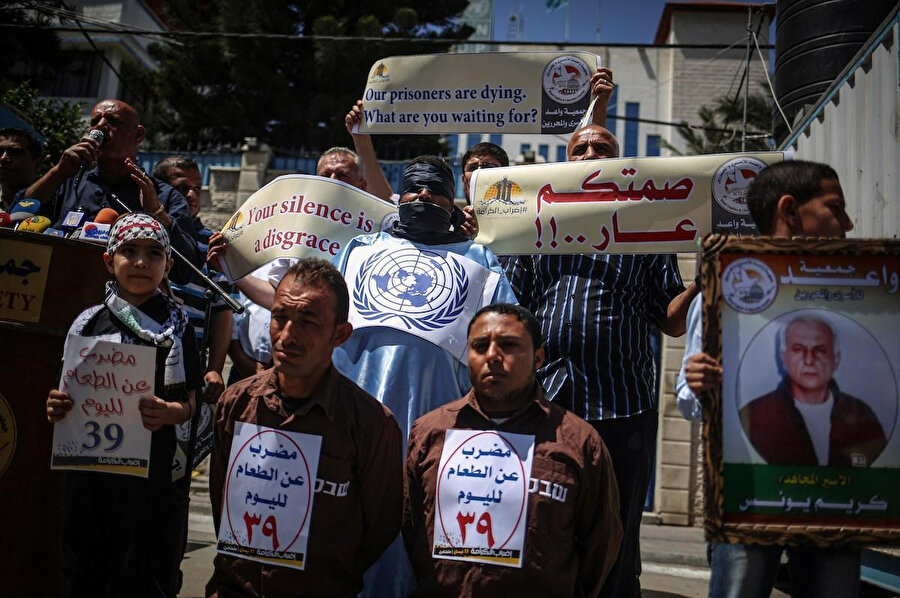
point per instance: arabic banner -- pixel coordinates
(429, 294)
(624, 205)
(493, 92)
(482, 497)
(299, 215)
(103, 431)
(269, 490)
(810, 349)
(23, 279)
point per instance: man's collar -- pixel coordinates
(537, 401)
(323, 396)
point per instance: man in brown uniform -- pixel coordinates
(361, 451)
(572, 525)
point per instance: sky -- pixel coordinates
(620, 21)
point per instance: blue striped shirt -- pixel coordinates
(597, 314)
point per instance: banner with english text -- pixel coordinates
(623, 205)
(495, 92)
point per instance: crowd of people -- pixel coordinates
(558, 350)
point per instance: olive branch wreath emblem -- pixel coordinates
(427, 322)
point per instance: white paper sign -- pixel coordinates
(103, 431)
(482, 497)
(431, 294)
(269, 489)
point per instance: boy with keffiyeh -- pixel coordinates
(122, 535)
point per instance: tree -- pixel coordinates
(722, 125)
(59, 122)
(289, 93)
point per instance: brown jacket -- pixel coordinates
(570, 544)
(361, 444)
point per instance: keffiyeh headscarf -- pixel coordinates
(137, 225)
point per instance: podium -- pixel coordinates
(45, 282)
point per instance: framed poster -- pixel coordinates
(801, 442)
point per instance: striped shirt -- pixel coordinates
(193, 294)
(597, 315)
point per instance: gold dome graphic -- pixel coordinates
(505, 191)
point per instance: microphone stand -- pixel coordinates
(206, 280)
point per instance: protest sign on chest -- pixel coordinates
(269, 489)
(103, 431)
(481, 509)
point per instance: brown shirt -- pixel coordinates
(573, 532)
(361, 455)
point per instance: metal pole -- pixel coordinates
(747, 82)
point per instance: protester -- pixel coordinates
(597, 314)
(110, 173)
(792, 198)
(183, 174)
(360, 445)
(481, 155)
(125, 522)
(572, 534)
(20, 163)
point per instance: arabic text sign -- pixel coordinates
(299, 216)
(482, 497)
(625, 205)
(23, 278)
(103, 431)
(269, 491)
(804, 433)
(494, 92)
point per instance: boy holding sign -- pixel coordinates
(129, 378)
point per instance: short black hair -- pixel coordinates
(799, 178)
(439, 163)
(161, 170)
(520, 313)
(32, 144)
(489, 149)
(313, 271)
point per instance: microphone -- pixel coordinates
(98, 136)
(24, 208)
(98, 230)
(6, 220)
(106, 216)
(35, 224)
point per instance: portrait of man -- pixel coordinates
(807, 419)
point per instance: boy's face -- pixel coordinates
(825, 215)
(138, 266)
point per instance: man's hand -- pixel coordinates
(215, 251)
(602, 85)
(470, 226)
(58, 405)
(215, 385)
(83, 152)
(354, 118)
(149, 200)
(702, 373)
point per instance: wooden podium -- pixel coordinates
(45, 282)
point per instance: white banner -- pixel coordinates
(431, 294)
(482, 497)
(269, 490)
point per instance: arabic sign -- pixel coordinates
(299, 216)
(23, 278)
(269, 491)
(429, 294)
(810, 350)
(482, 497)
(625, 205)
(103, 431)
(494, 92)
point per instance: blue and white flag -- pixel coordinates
(431, 294)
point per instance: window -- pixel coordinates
(653, 145)
(632, 110)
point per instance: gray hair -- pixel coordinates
(782, 334)
(340, 150)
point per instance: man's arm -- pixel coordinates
(218, 460)
(381, 491)
(693, 348)
(83, 152)
(676, 313)
(376, 183)
(219, 340)
(599, 530)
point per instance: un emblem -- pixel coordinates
(421, 289)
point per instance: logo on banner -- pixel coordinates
(421, 289)
(380, 74)
(566, 79)
(503, 198)
(731, 181)
(749, 285)
(234, 227)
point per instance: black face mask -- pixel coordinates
(423, 222)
